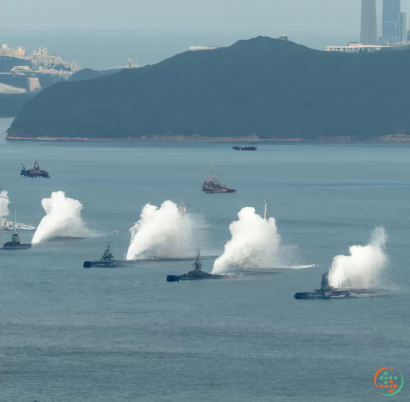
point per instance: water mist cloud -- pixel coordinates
(63, 219)
(4, 203)
(362, 268)
(254, 244)
(161, 232)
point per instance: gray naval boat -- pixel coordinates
(106, 261)
(196, 274)
(15, 244)
(329, 292)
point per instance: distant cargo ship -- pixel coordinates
(246, 148)
(213, 185)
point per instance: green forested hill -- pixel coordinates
(262, 86)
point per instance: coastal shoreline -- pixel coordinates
(390, 139)
(170, 139)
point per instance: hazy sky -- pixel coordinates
(105, 33)
(287, 16)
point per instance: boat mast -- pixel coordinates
(197, 263)
(15, 221)
(266, 210)
(212, 171)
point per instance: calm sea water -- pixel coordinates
(70, 334)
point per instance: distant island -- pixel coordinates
(257, 89)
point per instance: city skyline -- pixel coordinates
(276, 16)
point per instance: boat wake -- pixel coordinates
(23, 226)
(296, 266)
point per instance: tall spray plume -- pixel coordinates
(162, 232)
(254, 244)
(363, 266)
(62, 219)
(4, 203)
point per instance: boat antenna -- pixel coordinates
(197, 263)
(266, 210)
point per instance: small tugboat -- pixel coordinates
(214, 186)
(329, 292)
(246, 148)
(196, 274)
(35, 172)
(15, 244)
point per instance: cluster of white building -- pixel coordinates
(40, 63)
(40, 59)
(355, 47)
(19, 52)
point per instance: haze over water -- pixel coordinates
(72, 334)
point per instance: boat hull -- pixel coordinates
(220, 191)
(12, 246)
(107, 264)
(194, 276)
(32, 174)
(246, 148)
(340, 294)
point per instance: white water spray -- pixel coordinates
(4, 203)
(255, 243)
(362, 268)
(161, 232)
(63, 219)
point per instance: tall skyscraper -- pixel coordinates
(368, 32)
(402, 27)
(408, 32)
(391, 11)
